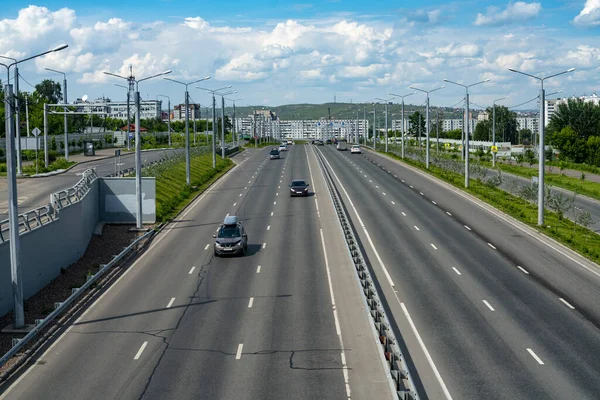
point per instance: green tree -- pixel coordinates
(582, 117)
(416, 120)
(525, 136)
(49, 90)
(571, 146)
(483, 130)
(455, 134)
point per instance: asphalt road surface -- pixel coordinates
(487, 310)
(182, 324)
(35, 192)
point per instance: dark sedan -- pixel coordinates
(298, 188)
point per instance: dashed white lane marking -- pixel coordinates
(402, 180)
(393, 202)
(171, 302)
(249, 182)
(539, 360)
(365, 176)
(421, 193)
(238, 355)
(268, 227)
(278, 187)
(258, 269)
(566, 303)
(427, 355)
(523, 270)
(403, 213)
(250, 302)
(140, 351)
(488, 305)
(277, 194)
(241, 194)
(467, 227)
(271, 213)
(191, 271)
(448, 213)
(384, 193)
(377, 187)
(433, 245)
(492, 246)
(456, 270)
(412, 187)
(207, 246)
(417, 228)
(245, 187)
(370, 181)
(234, 204)
(264, 245)
(433, 202)
(395, 176)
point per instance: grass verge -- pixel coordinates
(172, 193)
(60, 163)
(261, 145)
(583, 241)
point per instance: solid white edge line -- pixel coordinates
(335, 316)
(191, 271)
(488, 305)
(539, 360)
(523, 269)
(456, 270)
(566, 303)
(171, 302)
(385, 271)
(140, 351)
(238, 355)
(250, 302)
(258, 269)
(427, 355)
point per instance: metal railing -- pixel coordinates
(403, 383)
(64, 198)
(60, 307)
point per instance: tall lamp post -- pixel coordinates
(386, 120)
(467, 123)
(542, 157)
(11, 177)
(214, 122)
(65, 101)
(402, 97)
(187, 125)
(168, 120)
(138, 140)
(223, 120)
(427, 124)
(128, 117)
(235, 137)
(494, 128)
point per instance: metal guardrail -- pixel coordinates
(48, 213)
(62, 306)
(403, 382)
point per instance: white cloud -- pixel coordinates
(514, 12)
(460, 50)
(590, 15)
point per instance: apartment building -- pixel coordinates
(118, 109)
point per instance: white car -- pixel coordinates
(355, 149)
(282, 147)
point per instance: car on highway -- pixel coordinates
(231, 237)
(355, 149)
(298, 187)
(342, 145)
(283, 147)
(274, 154)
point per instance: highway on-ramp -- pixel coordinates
(286, 321)
(487, 310)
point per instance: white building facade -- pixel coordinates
(118, 109)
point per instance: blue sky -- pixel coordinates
(310, 51)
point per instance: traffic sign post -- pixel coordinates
(494, 149)
(36, 132)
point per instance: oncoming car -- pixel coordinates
(274, 154)
(298, 187)
(231, 237)
(355, 149)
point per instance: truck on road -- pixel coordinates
(342, 145)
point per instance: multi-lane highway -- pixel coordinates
(488, 310)
(286, 321)
(35, 192)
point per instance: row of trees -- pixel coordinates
(49, 91)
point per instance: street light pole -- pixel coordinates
(466, 147)
(65, 101)
(13, 211)
(427, 124)
(138, 140)
(542, 156)
(494, 128)
(402, 97)
(386, 121)
(235, 137)
(214, 118)
(169, 116)
(187, 127)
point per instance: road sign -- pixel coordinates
(130, 135)
(117, 153)
(460, 147)
(447, 145)
(494, 149)
(36, 132)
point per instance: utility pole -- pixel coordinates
(18, 122)
(222, 127)
(65, 101)
(437, 130)
(27, 114)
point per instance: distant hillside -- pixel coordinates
(343, 111)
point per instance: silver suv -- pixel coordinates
(231, 237)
